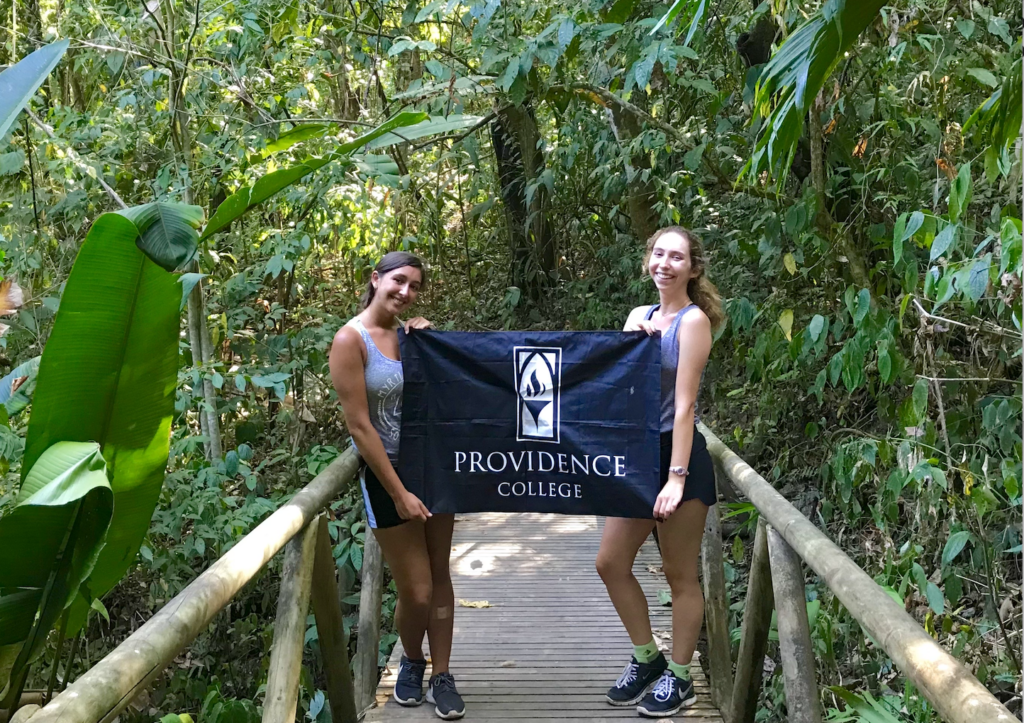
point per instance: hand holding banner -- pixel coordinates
(562, 422)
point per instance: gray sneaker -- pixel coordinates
(447, 702)
(409, 686)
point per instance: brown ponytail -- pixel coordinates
(390, 262)
(700, 289)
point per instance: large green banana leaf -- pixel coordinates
(49, 544)
(19, 82)
(793, 76)
(108, 374)
(248, 196)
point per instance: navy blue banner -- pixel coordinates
(562, 422)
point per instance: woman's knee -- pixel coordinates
(612, 567)
(682, 579)
(417, 594)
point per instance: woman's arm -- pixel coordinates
(635, 319)
(347, 374)
(694, 349)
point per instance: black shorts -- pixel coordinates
(380, 508)
(700, 482)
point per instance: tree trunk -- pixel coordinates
(640, 193)
(199, 339)
(520, 166)
(510, 179)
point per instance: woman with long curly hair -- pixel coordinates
(688, 311)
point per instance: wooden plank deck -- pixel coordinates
(551, 644)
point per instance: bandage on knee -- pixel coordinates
(442, 613)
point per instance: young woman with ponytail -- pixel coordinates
(367, 373)
(689, 310)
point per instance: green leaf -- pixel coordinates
(693, 9)
(866, 708)
(188, 282)
(167, 232)
(816, 326)
(983, 76)
(897, 237)
(108, 375)
(913, 225)
(966, 27)
(429, 126)
(790, 263)
(954, 545)
(566, 32)
(863, 307)
(429, 10)
(15, 401)
(291, 137)
(977, 279)
(49, 544)
(884, 365)
(936, 601)
(19, 82)
(960, 192)
(11, 163)
(786, 322)
(249, 196)
(943, 241)
(920, 398)
(998, 119)
(692, 158)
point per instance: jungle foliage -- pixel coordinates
(853, 168)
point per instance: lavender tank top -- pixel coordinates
(384, 381)
(669, 365)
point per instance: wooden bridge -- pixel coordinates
(549, 644)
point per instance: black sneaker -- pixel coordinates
(667, 696)
(447, 702)
(409, 686)
(636, 678)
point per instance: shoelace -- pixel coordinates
(444, 682)
(415, 673)
(628, 675)
(666, 684)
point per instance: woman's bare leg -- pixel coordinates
(680, 536)
(620, 543)
(442, 604)
(405, 550)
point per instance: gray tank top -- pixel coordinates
(669, 365)
(384, 381)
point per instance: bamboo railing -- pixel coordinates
(784, 538)
(107, 688)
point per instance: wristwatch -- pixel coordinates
(680, 471)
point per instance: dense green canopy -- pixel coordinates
(852, 168)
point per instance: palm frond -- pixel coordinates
(997, 121)
(793, 76)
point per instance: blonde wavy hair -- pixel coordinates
(700, 289)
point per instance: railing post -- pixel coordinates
(757, 619)
(716, 609)
(368, 642)
(798, 668)
(290, 628)
(330, 628)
